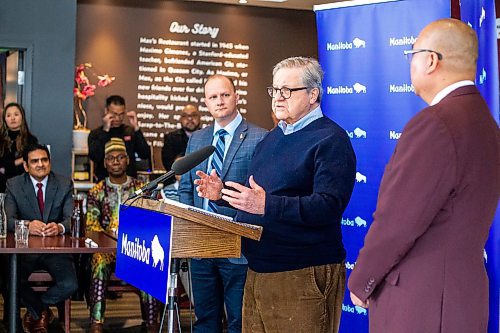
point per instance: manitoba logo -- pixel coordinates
(340, 46)
(157, 253)
(402, 41)
(344, 90)
(403, 88)
(356, 309)
(393, 135)
(358, 222)
(360, 178)
(359, 88)
(360, 310)
(138, 250)
(358, 42)
(358, 133)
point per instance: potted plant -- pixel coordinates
(82, 91)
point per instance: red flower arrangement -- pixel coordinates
(84, 89)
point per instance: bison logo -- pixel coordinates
(360, 310)
(359, 133)
(157, 252)
(359, 88)
(360, 222)
(360, 178)
(358, 43)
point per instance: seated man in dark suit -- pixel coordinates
(45, 199)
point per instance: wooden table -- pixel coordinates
(40, 245)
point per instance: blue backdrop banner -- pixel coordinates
(368, 92)
(143, 250)
(480, 15)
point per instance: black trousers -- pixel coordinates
(62, 270)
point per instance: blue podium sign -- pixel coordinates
(144, 249)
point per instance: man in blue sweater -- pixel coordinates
(220, 281)
(300, 181)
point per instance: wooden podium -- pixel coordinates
(199, 235)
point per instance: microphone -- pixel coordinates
(179, 167)
(188, 162)
(158, 189)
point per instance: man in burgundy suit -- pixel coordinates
(421, 268)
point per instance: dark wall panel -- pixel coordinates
(47, 28)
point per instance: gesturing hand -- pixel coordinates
(209, 186)
(248, 199)
(106, 121)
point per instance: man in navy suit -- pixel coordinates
(220, 281)
(45, 200)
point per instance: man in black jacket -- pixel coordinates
(175, 143)
(113, 127)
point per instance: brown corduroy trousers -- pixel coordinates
(306, 300)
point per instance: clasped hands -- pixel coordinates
(248, 199)
(38, 228)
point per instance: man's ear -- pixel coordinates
(314, 95)
(432, 62)
(25, 165)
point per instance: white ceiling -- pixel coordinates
(289, 4)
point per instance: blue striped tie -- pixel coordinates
(218, 160)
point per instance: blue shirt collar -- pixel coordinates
(231, 127)
(306, 120)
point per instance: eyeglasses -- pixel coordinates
(119, 158)
(285, 92)
(409, 53)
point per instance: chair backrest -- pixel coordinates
(40, 280)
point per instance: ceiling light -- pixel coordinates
(243, 1)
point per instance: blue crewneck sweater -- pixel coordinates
(308, 177)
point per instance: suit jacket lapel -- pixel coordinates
(29, 193)
(239, 136)
(50, 193)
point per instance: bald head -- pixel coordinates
(190, 118)
(456, 41)
(446, 52)
(221, 77)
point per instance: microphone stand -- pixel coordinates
(172, 305)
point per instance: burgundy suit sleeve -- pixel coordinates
(417, 182)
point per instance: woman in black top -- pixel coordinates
(14, 137)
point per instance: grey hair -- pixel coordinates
(312, 76)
